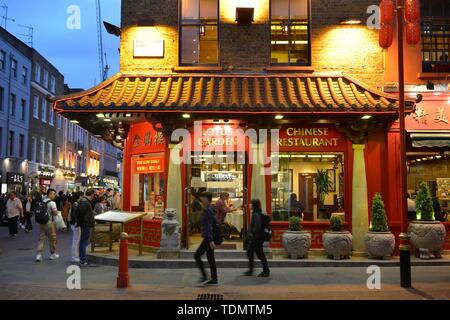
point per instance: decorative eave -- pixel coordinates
(233, 93)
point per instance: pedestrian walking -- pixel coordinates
(85, 219)
(76, 230)
(207, 245)
(66, 205)
(28, 214)
(255, 239)
(14, 211)
(45, 213)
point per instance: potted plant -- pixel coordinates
(337, 242)
(322, 184)
(426, 234)
(379, 241)
(295, 241)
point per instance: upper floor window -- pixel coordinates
(13, 105)
(14, 68)
(2, 60)
(435, 36)
(44, 110)
(199, 32)
(2, 98)
(290, 36)
(45, 79)
(36, 106)
(37, 73)
(51, 115)
(24, 75)
(53, 84)
(23, 109)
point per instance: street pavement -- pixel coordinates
(23, 278)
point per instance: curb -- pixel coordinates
(241, 263)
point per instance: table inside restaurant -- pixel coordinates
(123, 218)
(235, 219)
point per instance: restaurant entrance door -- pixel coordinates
(220, 175)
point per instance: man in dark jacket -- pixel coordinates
(85, 221)
(207, 244)
(256, 239)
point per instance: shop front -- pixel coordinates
(15, 182)
(269, 137)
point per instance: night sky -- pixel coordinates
(73, 52)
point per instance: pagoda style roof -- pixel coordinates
(247, 93)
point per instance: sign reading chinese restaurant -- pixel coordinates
(145, 139)
(310, 138)
(149, 165)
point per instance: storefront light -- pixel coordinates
(350, 22)
(74, 121)
(107, 120)
(438, 157)
(100, 115)
(366, 117)
(128, 115)
(186, 116)
(279, 117)
(314, 156)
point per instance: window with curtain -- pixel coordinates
(199, 32)
(290, 38)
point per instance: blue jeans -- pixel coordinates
(84, 242)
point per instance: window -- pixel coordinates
(59, 121)
(60, 156)
(1, 141)
(2, 60)
(44, 110)
(33, 148)
(199, 32)
(13, 105)
(14, 68)
(45, 79)
(2, 98)
(23, 109)
(50, 152)
(53, 84)
(290, 39)
(24, 75)
(297, 173)
(42, 151)
(435, 36)
(36, 107)
(11, 143)
(21, 145)
(37, 73)
(51, 114)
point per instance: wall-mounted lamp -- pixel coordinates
(244, 16)
(202, 30)
(350, 21)
(285, 29)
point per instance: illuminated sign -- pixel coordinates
(15, 178)
(149, 165)
(149, 48)
(299, 137)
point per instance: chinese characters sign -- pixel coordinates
(430, 115)
(144, 139)
(149, 165)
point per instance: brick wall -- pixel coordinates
(351, 49)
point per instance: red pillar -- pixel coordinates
(126, 181)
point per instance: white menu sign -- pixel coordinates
(148, 48)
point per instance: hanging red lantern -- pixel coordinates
(413, 33)
(387, 11)
(386, 35)
(412, 10)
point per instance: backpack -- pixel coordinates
(265, 225)
(74, 214)
(41, 212)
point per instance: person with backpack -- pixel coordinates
(44, 215)
(85, 220)
(208, 227)
(259, 232)
(76, 230)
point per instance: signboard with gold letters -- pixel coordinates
(310, 138)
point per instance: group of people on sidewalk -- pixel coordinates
(258, 232)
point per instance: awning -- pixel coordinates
(230, 92)
(430, 140)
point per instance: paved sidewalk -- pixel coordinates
(22, 278)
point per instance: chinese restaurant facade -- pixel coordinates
(257, 109)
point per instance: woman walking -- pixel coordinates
(76, 231)
(66, 206)
(255, 240)
(28, 214)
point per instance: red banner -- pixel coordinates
(149, 165)
(145, 139)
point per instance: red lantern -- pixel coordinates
(386, 35)
(413, 33)
(412, 10)
(387, 10)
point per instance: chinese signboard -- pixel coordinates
(430, 115)
(149, 165)
(15, 178)
(145, 139)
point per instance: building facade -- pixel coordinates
(15, 78)
(200, 79)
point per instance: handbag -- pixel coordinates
(59, 221)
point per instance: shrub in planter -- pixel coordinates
(379, 241)
(295, 241)
(337, 242)
(426, 234)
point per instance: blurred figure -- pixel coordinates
(109, 199)
(100, 206)
(76, 230)
(411, 208)
(223, 207)
(14, 211)
(294, 206)
(28, 214)
(66, 205)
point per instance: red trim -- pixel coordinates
(126, 181)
